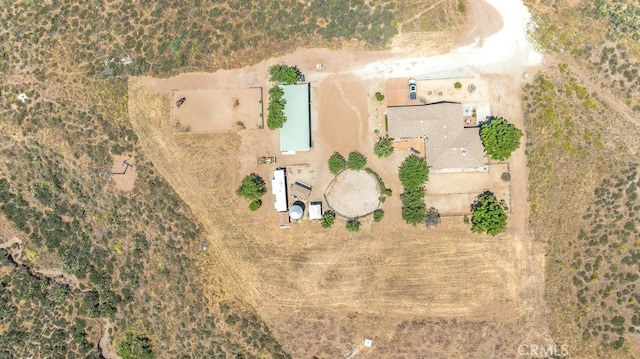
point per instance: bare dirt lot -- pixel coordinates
(453, 193)
(214, 110)
(124, 173)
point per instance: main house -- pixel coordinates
(451, 138)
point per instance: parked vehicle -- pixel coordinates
(413, 90)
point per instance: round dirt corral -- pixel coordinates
(353, 194)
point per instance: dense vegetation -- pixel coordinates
(605, 271)
(71, 59)
(384, 147)
(488, 215)
(500, 138)
(337, 163)
(589, 185)
(356, 161)
(283, 74)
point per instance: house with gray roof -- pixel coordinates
(450, 145)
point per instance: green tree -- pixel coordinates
(356, 161)
(135, 346)
(283, 74)
(252, 187)
(353, 225)
(378, 215)
(327, 219)
(414, 172)
(413, 207)
(488, 215)
(432, 219)
(379, 96)
(275, 111)
(337, 163)
(384, 147)
(500, 138)
(457, 85)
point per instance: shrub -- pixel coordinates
(384, 147)
(378, 215)
(353, 225)
(337, 163)
(413, 172)
(356, 161)
(500, 138)
(432, 219)
(488, 215)
(457, 85)
(255, 204)
(327, 219)
(252, 187)
(506, 176)
(135, 346)
(379, 96)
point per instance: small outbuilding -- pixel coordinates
(315, 210)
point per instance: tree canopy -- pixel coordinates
(384, 147)
(413, 207)
(356, 161)
(500, 138)
(275, 110)
(252, 187)
(488, 215)
(337, 163)
(414, 172)
(283, 74)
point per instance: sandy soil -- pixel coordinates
(212, 110)
(124, 175)
(353, 194)
(305, 281)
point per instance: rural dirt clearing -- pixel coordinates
(322, 291)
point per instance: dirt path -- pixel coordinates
(104, 346)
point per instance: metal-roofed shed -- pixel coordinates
(295, 134)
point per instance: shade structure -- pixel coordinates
(295, 212)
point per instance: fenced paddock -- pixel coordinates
(217, 110)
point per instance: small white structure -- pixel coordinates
(368, 343)
(23, 97)
(279, 190)
(296, 212)
(315, 210)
